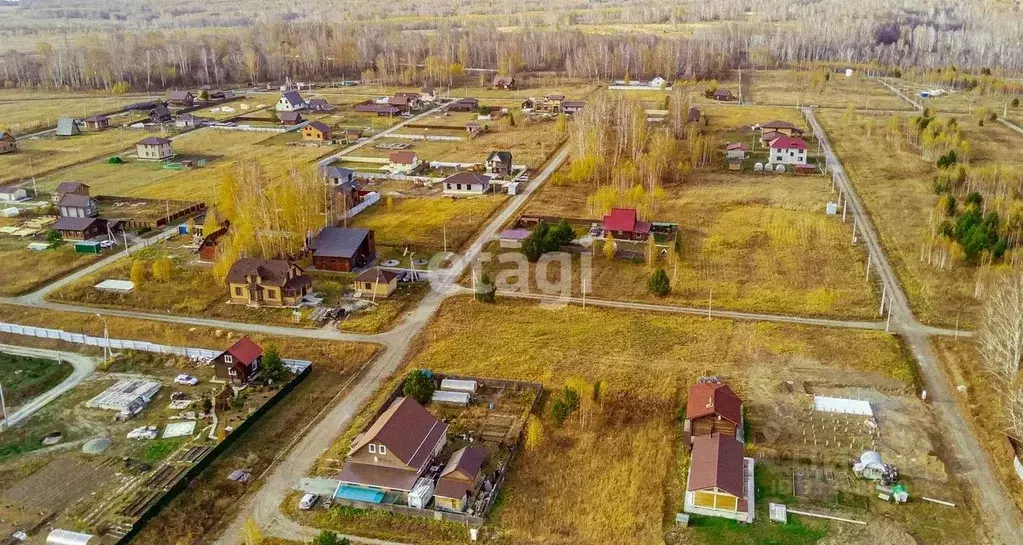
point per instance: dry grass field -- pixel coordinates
(38, 156)
(24, 112)
(753, 244)
(424, 222)
(23, 270)
(960, 102)
(621, 475)
(896, 186)
(150, 180)
(792, 88)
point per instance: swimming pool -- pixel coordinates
(356, 493)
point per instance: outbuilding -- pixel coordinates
(376, 282)
(342, 249)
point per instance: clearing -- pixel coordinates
(25, 377)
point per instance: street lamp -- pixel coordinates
(106, 338)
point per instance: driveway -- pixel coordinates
(83, 367)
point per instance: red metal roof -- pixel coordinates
(403, 157)
(621, 219)
(736, 145)
(408, 430)
(714, 398)
(717, 463)
(245, 351)
(788, 142)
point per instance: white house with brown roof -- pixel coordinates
(404, 162)
(393, 453)
(466, 183)
(154, 148)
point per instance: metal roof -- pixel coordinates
(338, 242)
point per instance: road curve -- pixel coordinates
(83, 367)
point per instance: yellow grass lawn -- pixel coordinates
(791, 87)
(896, 186)
(24, 113)
(748, 242)
(23, 270)
(422, 222)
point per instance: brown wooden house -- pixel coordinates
(240, 363)
(460, 479)
(267, 282)
(341, 249)
(316, 131)
(713, 408)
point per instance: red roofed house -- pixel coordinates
(736, 150)
(720, 482)
(392, 454)
(240, 363)
(713, 407)
(623, 225)
(787, 150)
(404, 162)
(460, 479)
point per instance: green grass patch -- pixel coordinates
(24, 377)
(763, 532)
(158, 449)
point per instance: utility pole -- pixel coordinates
(3, 405)
(868, 267)
(710, 300)
(106, 338)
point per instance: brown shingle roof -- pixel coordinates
(76, 200)
(376, 275)
(403, 157)
(465, 463)
(152, 141)
(708, 398)
(451, 488)
(407, 429)
(467, 177)
(319, 125)
(70, 187)
(717, 463)
(378, 476)
(274, 272)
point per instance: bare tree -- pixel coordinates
(1001, 347)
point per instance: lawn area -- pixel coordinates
(747, 242)
(24, 113)
(150, 180)
(423, 222)
(896, 186)
(24, 270)
(792, 87)
(41, 155)
(624, 490)
(24, 377)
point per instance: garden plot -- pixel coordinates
(794, 88)
(25, 113)
(24, 270)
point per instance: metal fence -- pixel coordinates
(367, 201)
(125, 344)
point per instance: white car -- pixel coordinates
(308, 501)
(107, 244)
(187, 380)
(144, 432)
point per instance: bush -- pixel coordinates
(485, 289)
(273, 365)
(546, 239)
(1015, 103)
(419, 385)
(563, 406)
(659, 284)
(327, 537)
(948, 159)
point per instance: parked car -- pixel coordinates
(107, 244)
(308, 501)
(187, 380)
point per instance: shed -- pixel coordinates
(119, 286)
(67, 537)
(458, 385)
(87, 247)
(450, 398)
(68, 126)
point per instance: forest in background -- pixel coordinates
(87, 45)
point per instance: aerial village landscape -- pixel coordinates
(626, 273)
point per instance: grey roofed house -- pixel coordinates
(153, 141)
(468, 178)
(189, 121)
(76, 200)
(71, 187)
(75, 224)
(338, 242)
(502, 156)
(293, 98)
(320, 105)
(338, 175)
(181, 97)
(68, 126)
(290, 118)
(160, 113)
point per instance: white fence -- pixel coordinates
(400, 177)
(248, 128)
(427, 137)
(369, 200)
(121, 344)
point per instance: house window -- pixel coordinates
(228, 358)
(238, 292)
(372, 448)
(232, 372)
(369, 285)
(382, 450)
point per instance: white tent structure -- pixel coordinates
(67, 537)
(456, 385)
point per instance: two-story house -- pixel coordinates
(499, 163)
(291, 101)
(267, 282)
(392, 454)
(787, 150)
(240, 363)
(154, 148)
(76, 205)
(712, 407)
